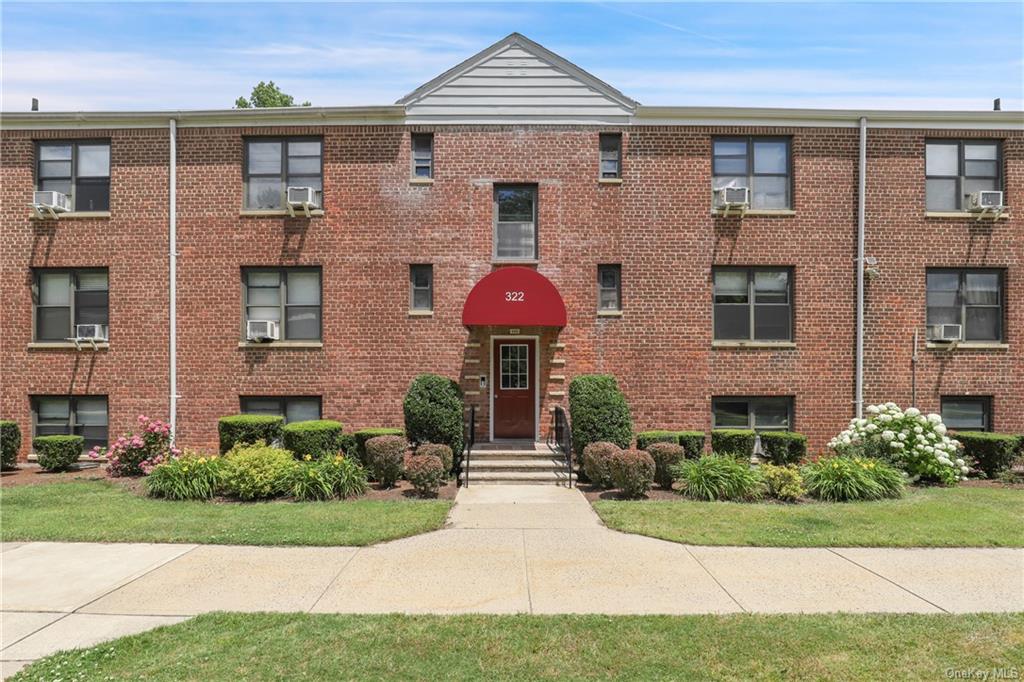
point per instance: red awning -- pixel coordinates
(514, 296)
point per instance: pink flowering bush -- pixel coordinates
(138, 454)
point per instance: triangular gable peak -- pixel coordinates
(517, 81)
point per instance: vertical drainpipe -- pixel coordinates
(173, 277)
(862, 163)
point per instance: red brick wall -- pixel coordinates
(657, 224)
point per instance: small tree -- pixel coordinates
(433, 411)
(266, 95)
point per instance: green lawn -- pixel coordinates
(227, 646)
(101, 511)
(925, 517)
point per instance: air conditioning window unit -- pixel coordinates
(304, 197)
(944, 333)
(91, 332)
(732, 197)
(262, 330)
(53, 202)
(985, 200)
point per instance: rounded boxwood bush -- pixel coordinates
(434, 412)
(692, 442)
(427, 473)
(384, 455)
(718, 477)
(363, 435)
(57, 453)
(665, 456)
(248, 428)
(735, 442)
(10, 443)
(632, 472)
(991, 452)
(597, 462)
(598, 412)
(349, 445)
(257, 471)
(316, 438)
(439, 450)
(784, 447)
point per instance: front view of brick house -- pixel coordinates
(512, 224)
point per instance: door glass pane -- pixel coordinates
(732, 322)
(982, 324)
(770, 157)
(302, 409)
(964, 414)
(981, 288)
(771, 322)
(515, 366)
(941, 159)
(263, 193)
(770, 192)
(515, 240)
(55, 152)
(55, 288)
(303, 323)
(731, 286)
(515, 205)
(731, 414)
(53, 324)
(771, 414)
(94, 161)
(771, 286)
(304, 288)
(270, 406)
(264, 157)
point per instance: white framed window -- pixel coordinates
(609, 287)
(423, 155)
(515, 366)
(611, 155)
(421, 287)
(515, 222)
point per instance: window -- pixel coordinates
(955, 169)
(971, 298)
(421, 287)
(292, 408)
(611, 155)
(609, 287)
(758, 163)
(80, 170)
(272, 165)
(423, 155)
(84, 416)
(967, 413)
(288, 296)
(515, 366)
(65, 298)
(761, 414)
(753, 304)
(515, 223)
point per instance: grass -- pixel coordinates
(925, 517)
(101, 511)
(228, 646)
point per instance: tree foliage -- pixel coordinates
(266, 95)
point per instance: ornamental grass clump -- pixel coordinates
(718, 477)
(665, 456)
(597, 462)
(192, 476)
(632, 472)
(326, 478)
(915, 443)
(384, 455)
(257, 471)
(852, 479)
(138, 454)
(426, 473)
(783, 482)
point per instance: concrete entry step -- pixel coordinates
(516, 478)
(513, 455)
(511, 446)
(516, 465)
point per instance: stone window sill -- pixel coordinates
(317, 213)
(66, 345)
(279, 345)
(421, 313)
(515, 261)
(609, 181)
(756, 213)
(73, 215)
(965, 215)
(609, 313)
(764, 345)
(967, 345)
(421, 181)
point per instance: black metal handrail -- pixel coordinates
(470, 438)
(560, 438)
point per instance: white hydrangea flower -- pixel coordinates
(934, 418)
(918, 430)
(902, 435)
(873, 409)
(959, 462)
(871, 427)
(964, 470)
(888, 435)
(912, 412)
(940, 429)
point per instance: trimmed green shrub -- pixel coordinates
(784, 447)
(427, 473)
(598, 412)
(693, 443)
(645, 439)
(783, 482)
(349, 445)
(718, 477)
(317, 438)
(257, 471)
(597, 462)
(632, 472)
(434, 411)
(248, 428)
(735, 442)
(10, 443)
(189, 477)
(991, 452)
(57, 453)
(665, 456)
(441, 451)
(384, 457)
(363, 435)
(850, 479)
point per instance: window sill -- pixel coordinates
(279, 345)
(609, 181)
(421, 313)
(609, 313)
(965, 215)
(764, 345)
(274, 213)
(421, 181)
(968, 345)
(515, 261)
(72, 215)
(756, 213)
(65, 345)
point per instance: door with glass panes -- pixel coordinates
(515, 388)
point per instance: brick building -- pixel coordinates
(511, 224)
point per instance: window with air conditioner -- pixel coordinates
(762, 165)
(515, 222)
(67, 301)
(292, 408)
(78, 415)
(753, 304)
(761, 413)
(272, 165)
(288, 297)
(957, 169)
(79, 170)
(970, 298)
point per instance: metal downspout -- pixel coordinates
(173, 276)
(862, 162)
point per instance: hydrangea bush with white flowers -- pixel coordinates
(916, 443)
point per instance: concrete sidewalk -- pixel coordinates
(506, 549)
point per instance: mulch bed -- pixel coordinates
(592, 493)
(31, 474)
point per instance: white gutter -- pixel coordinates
(862, 164)
(173, 276)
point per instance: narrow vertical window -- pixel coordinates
(611, 155)
(515, 223)
(421, 287)
(423, 155)
(609, 288)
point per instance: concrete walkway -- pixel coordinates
(506, 549)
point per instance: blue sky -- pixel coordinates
(137, 56)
